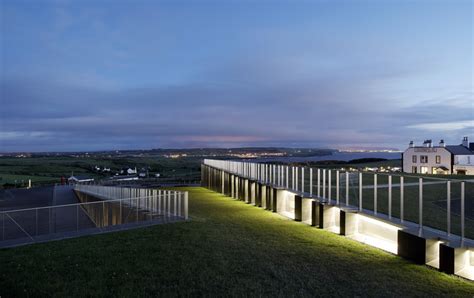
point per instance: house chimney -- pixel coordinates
(427, 143)
(442, 143)
(411, 145)
(465, 142)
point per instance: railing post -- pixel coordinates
(168, 203)
(448, 207)
(390, 196)
(375, 194)
(347, 188)
(311, 181)
(324, 183)
(175, 201)
(50, 220)
(401, 198)
(329, 186)
(296, 175)
(337, 187)
(275, 175)
(292, 178)
(360, 191)
(282, 172)
(185, 205)
(103, 214)
(462, 212)
(302, 179)
(319, 185)
(287, 178)
(420, 204)
(36, 217)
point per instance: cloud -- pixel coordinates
(132, 76)
(444, 126)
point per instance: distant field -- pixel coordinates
(229, 248)
(23, 179)
(49, 170)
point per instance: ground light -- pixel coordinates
(374, 232)
(286, 203)
(466, 260)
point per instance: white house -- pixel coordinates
(441, 159)
(129, 171)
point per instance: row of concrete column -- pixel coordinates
(310, 210)
(344, 220)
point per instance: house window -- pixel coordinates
(424, 159)
(424, 170)
(438, 158)
(414, 169)
(413, 158)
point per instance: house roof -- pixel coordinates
(459, 150)
(81, 177)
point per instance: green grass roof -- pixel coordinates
(228, 248)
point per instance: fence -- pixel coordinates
(436, 211)
(427, 201)
(101, 209)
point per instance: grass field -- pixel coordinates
(47, 170)
(227, 249)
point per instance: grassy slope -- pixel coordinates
(229, 248)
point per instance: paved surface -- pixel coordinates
(12, 199)
(30, 222)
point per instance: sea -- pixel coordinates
(343, 156)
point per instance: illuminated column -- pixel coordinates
(311, 181)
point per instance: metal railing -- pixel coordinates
(446, 205)
(98, 212)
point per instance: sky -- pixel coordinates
(113, 75)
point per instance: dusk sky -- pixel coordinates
(108, 75)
